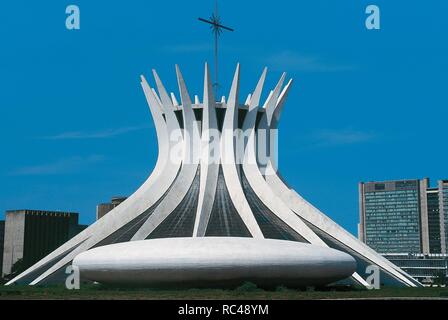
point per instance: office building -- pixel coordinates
(443, 208)
(31, 234)
(405, 220)
(2, 237)
(390, 215)
(429, 269)
(103, 208)
(434, 220)
(403, 216)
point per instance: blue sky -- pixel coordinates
(366, 105)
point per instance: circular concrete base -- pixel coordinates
(214, 261)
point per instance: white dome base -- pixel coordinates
(214, 261)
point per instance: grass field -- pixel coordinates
(242, 293)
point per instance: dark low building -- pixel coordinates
(434, 220)
(2, 236)
(32, 234)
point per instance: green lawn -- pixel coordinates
(245, 292)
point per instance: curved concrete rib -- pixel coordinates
(187, 172)
(209, 159)
(141, 200)
(154, 187)
(312, 215)
(268, 122)
(255, 178)
(271, 101)
(229, 169)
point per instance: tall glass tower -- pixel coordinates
(404, 216)
(443, 207)
(390, 216)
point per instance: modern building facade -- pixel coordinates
(32, 234)
(429, 269)
(219, 192)
(434, 221)
(405, 220)
(403, 216)
(103, 208)
(443, 211)
(2, 238)
(391, 212)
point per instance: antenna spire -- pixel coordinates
(217, 29)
